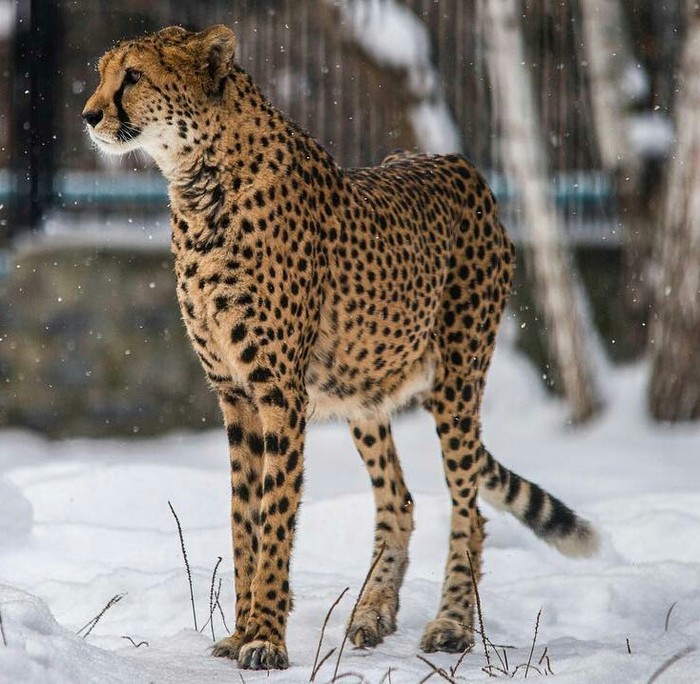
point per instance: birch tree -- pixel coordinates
(524, 162)
(615, 83)
(674, 390)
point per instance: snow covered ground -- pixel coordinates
(82, 521)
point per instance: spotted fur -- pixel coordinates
(308, 290)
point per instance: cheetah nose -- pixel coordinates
(93, 117)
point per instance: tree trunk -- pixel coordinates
(610, 61)
(524, 161)
(674, 390)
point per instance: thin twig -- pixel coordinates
(669, 662)
(92, 623)
(478, 608)
(468, 649)
(212, 607)
(386, 677)
(323, 660)
(430, 675)
(345, 675)
(187, 565)
(437, 670)
(134, 644)
(315, 668)
(505, 657)
(668, 615)
(212, 604)
(354, 608)
(531, 667)
(532, 648)
(489, 670)
(2, 631)
(221, 610)
(549, 665)
(241, 676)
(629, 650)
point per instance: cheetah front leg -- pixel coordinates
(282, 413)
(245, 440)
(376, 613)
(455, 407)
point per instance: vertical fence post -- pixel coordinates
(34, 112)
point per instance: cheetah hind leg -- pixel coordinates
(375, 616)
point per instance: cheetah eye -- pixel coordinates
(132, 76)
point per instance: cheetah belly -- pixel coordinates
(360, 374)
(331, 395)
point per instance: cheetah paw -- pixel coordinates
(372, 623)
(263, 655)
(228, 647)
(443, 634)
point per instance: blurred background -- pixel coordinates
(580, 114)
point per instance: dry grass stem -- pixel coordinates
(668, 615)
(545, 657)
(532, 648)
(478, 608)
(321, 662)
(629, 648)
(187, 565)
(90, 624)
(221, 610)
(527, 668)
(2, 631)
(212, 601)
(316, 668)
(386, 677)
(671, 661)
(345, 675)
(463, 655)
(134, 644)
(436, 670)
(354, 608)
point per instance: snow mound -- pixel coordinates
(40, 650)
(16, 515)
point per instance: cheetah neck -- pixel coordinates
(241, 145)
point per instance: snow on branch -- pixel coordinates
(393, 36)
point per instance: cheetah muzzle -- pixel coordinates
(311, 289)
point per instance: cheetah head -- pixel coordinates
(153, 88)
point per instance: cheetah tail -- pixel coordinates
(546, 516)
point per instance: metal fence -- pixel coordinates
(312, 67)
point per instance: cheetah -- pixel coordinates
(312, 290)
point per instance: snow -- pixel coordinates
(84, 520)
(651, 135)
(395, 37)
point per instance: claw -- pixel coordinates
(263, 655)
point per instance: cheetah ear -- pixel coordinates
(217, 46)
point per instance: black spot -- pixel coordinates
(238, 333)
